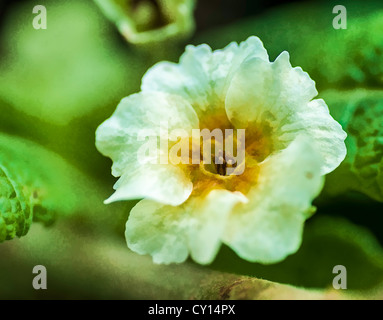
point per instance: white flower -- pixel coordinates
(291, 142)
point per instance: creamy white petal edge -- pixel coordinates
(169, 234)
(202, 75)
(269, 227)
(119, 138)
(280, 95)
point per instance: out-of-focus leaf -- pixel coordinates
(327, 242)
(35, 184)
(74, 67)
(353, 58)
(57, 85)
(333, 57)
(360, 112)
(150, 21)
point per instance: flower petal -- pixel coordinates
(271, 88)
(269, 227)
(317, 123)
(119, 138)
(170, 234)
(202, 75)
(280, 96)
(166, 184)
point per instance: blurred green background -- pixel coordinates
(57, 85)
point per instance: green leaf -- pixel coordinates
(360, 112)
(34, 184)
(57, 85)
(75, 67)
(15, 214)
(333, 58)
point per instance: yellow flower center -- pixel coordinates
(214, 175)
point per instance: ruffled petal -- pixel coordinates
(166, 184)
(280, 97)
(202, 75)
(143, 114)
(327, 134)
(169, 234)
(273, 89)
(122, 137)
(269, 227)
